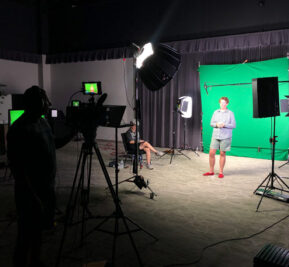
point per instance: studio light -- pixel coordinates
(186, 104)
(145, 52)
(157, 65)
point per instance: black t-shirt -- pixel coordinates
(131, 136)
(31, 153)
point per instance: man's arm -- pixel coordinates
(214, 121)
(232, 122)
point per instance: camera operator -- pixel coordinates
(31, 153)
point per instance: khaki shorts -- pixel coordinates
(223, 145)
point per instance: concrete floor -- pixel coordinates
(189, 213)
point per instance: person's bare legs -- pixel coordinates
(222, 161)
(212, 159)
(148, 155)
(147, 145)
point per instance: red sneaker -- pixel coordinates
(221, 175)
(208, 174)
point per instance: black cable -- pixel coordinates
(125, 86)
(226, 240)
(72, 96)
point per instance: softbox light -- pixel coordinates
(186, 104)
(159, 68)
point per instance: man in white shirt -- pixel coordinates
(223, 122)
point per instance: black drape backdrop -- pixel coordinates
(157, 107)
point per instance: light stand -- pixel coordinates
(271, 177)
(285, 108)
(80, 193)
(286, 163)
(173, 151)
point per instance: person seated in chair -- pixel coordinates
(143, 145)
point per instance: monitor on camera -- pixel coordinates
(91, 88)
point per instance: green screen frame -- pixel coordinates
(251, 136)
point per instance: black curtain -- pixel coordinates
(20, 56)
(157, 107)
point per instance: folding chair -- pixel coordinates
(130, 153)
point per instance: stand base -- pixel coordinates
(190, 149)
(117, 232)
(173, 153)
(272, 194)
(267, 191)
(139, 182)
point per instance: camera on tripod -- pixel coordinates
(86, 117)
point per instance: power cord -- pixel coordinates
(226, 240)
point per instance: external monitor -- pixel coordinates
(75, 103)
(13, 115)
(53, 113)
(91, 88)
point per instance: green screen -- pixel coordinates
(251, 135)
(91, 88)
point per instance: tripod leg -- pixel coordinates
(284, 164)
(115, 235)
(148, 233)
(116, 202)
(183, 154)
(172, 155)
(131, 238)
(261, 183)
(268, 177)
(85, 196)
(126, 180)
(279, 179)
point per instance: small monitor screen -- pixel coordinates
(92, 88)
(75, 103)
(14, 115)
(54, 113)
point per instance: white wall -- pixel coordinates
(115, 76)
(61, 80)
(18, 76)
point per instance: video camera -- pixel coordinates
(86, 117)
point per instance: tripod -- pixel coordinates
(287, 162)
(172, 151)
(83, 191)
(272, 176)
(185, 147)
